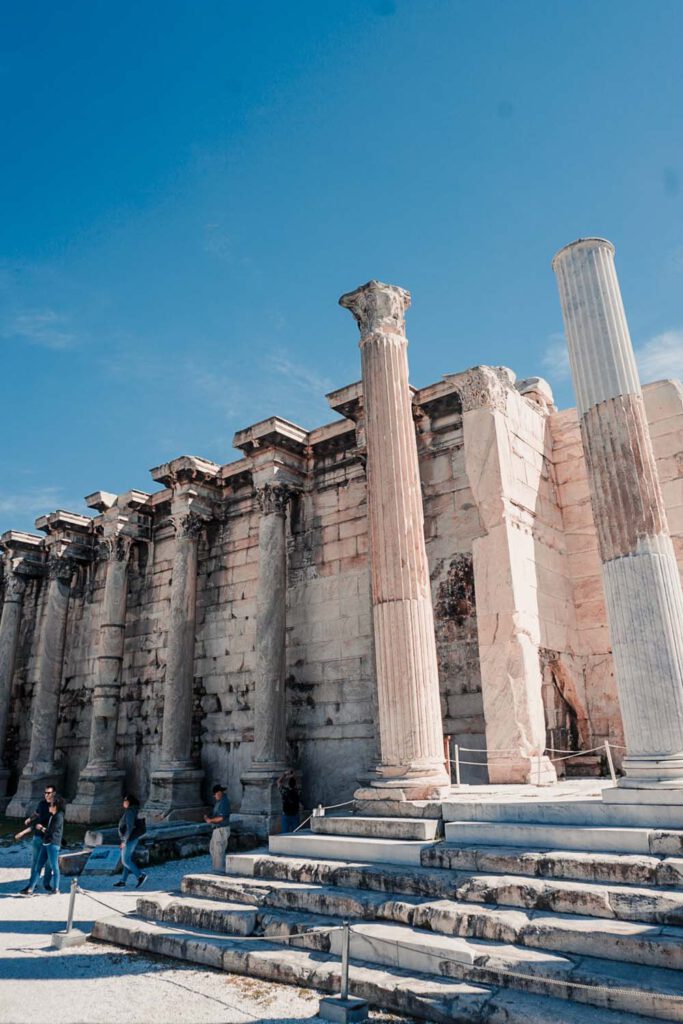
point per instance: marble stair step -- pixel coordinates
(424, 829)
(635, 942)
(437, 999)
(228, 918)
(587, 838)
(348, 847)
(579, 865)
(593, 899)
(659, 816)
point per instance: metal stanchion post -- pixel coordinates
(70, 936)
(610, 762)
(344, 1009)
(456, 752)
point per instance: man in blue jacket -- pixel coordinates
(41, 816)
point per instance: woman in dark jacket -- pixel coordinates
(130, 834)
(52, 835)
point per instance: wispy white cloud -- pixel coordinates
(44, 327)
(661, 356)
(298, 375)
(38, 501)
(555, 358)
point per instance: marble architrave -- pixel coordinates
(641, 579)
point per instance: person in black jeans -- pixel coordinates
(40, 817)
(52, 835)
(131, 832)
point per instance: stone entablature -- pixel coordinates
(549, 591)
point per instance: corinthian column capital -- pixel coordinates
(115, 548)
(61, 567)
(378, 308)
(273, 498)
(15, 585)
(188, 524)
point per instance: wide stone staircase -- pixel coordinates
(456, 929)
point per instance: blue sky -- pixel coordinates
(188, 187)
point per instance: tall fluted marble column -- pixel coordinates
(41, 766)
(410, 724)
(260, 809)
(176, 784)
(98, 797)
(642, 583)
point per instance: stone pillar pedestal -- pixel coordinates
(100, 784)
(410, 725)
(41, 766)
(176, 785)
(642, 584)
(261, 806)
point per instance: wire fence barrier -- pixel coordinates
(554, 754)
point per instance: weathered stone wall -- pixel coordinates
(552, 586)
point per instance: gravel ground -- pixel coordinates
(100, 984)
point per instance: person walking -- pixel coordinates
(40, 817)
(291, 801)
(52, 835)
(220, 819)
(131, 831)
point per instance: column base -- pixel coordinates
(261, 809)
(400, 783)
(175, 794)
(32, 782)
(522, 770)
(652, 771)
(98, 797)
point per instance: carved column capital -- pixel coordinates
(483, 387)
(115, 548)
(61, 567)
(273, 499)
(378, 308)
(188, 524)
(15, 585)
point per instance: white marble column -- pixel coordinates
(41, 766)
(642, 583)
(100, 783)
(260, 809)
(176, 784)
(410, 724)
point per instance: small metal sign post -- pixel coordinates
(344, 1009)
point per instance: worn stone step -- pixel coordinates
(345, 847)
(659, 818)
(635, 942)
(228, 918)
(421, 829)
(622, 902)
(550, 837)
(628, 869)
(442, 1000)
(593, 981)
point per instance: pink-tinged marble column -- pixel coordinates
(642, 583)
(410, 726)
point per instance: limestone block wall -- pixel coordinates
(549, 593)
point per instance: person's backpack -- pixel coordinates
(139, 828)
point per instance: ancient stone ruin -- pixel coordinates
(461, 561)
